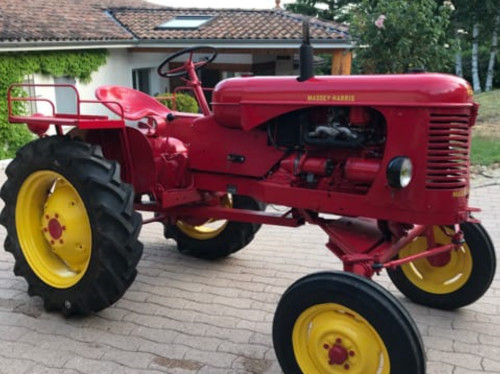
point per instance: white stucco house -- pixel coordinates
(139, 36)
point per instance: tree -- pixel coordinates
(475, 23)
(396, 35)
(476, 83)
(493, 53)
(335, 10)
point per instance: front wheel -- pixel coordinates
(70, 225)
(333, 322)
(450, 280)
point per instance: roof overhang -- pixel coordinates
(234, 45)
(221, 44)
(28, 46)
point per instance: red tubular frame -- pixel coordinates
(371, 253)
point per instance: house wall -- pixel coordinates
(44, 92)
(115, 72)
(121, 63)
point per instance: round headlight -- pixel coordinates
(399, 172)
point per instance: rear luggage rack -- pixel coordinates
(83, 121)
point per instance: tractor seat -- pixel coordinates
(136, 104)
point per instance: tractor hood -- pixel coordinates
(249, 102)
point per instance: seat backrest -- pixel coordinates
(135, 104)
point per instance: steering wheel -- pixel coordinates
(182, 70)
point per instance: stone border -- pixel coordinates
(4, 163)
(489, 178)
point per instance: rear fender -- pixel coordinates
(137, 163)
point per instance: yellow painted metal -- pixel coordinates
(59, 258)
(208, 230)
(438, 279)
(321, 326)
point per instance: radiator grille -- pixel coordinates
(448, 149)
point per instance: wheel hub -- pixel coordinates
(63, 213)
(337, 355)
(440, 260)
(55, 229)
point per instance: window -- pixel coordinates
(30, 91)
(140, 80)
(185, 22)
(66, 100)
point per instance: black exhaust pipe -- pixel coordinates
(306, 54)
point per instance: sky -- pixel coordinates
(242, 4)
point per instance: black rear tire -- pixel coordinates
(341, 316)
(113, 250)
(233, 237)
(478, 271)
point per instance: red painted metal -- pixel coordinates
(184, 162)
(388, 204)
(288, 219)
(249, 102)
(195, 83)
(39, 121)
(361, 170)
(130, 103)
(55, 228)
(337, 355)
(432, 252)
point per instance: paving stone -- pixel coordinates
(16, 365)
(187, 316)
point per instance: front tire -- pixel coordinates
(207, 242)
(333, 322)
(454, 279)
(70, 225)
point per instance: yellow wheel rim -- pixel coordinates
(331, 338)
(444, 279)
(208, 230)
(53, 229)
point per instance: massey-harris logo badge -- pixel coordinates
(470, 91)
(337, 98)
(461, 193)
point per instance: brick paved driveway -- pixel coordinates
(188, 316)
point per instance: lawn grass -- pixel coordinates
(489, 110)
(485, 148)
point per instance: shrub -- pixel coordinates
(184, 102)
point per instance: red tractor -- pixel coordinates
(380, 163)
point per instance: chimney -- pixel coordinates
(277, 4)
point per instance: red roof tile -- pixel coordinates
(61, 20)
(121, 20)
(233, 24)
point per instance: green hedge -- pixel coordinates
(14, 67)
(184, 102)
